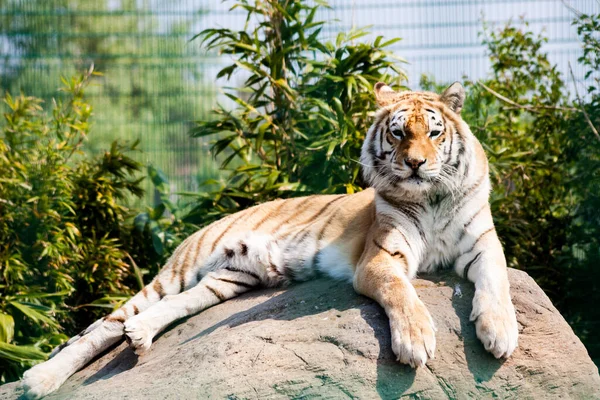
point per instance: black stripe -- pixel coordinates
(321, 234)
(303, 233)
(461, 152)
(387, 139)
(409, 209)
(479, 238)
(467, 196)
(252, 274)
(300, 208)
(372, 153)
(322, 210)
(384, 154)
(469, 264)
(376, 164)
(288, 272)
(394, 254)
(474, 215)
(243, 284)
(269, 215)
(391, 225)
(467, 167)
(218, 239)
(136, 310)
(466, 225)
(244, 248)
(218, 294)
(182, 282)
(449, 156)
(285, 235)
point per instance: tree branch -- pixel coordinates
(585, 114)
(527, 107)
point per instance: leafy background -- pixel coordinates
(75, 243)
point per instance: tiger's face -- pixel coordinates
(410, 145)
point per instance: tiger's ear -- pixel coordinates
(384, 94)
(454, 97)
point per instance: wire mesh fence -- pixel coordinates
(156, 82)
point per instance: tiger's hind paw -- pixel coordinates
(139, 335)
(41, 380)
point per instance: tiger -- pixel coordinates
(426, 207)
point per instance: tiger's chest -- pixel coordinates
(442, 227)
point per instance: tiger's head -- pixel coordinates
(417, 140)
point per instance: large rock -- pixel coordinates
(320, 340)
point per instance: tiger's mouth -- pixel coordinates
(415, 182)
(415, 178)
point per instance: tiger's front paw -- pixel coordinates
(495, 323)
(413, 334)
(139, 335)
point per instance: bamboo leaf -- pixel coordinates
(33, 314)
(20, 353)
(7, 328)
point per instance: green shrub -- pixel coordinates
(62, 226)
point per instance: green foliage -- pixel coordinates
(545, 168)
(582, 251)
(301, 116)
(525, 146)
(62, 226)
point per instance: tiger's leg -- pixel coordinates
(382, 275)
(235, 267)
(46, 377)
(483, 263)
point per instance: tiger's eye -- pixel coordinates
(397, 133)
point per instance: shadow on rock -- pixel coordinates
(481, 364)
(393, 378)
(286, 306)
(124, 361)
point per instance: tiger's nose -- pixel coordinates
(414, 163)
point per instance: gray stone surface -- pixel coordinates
(320, 340)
